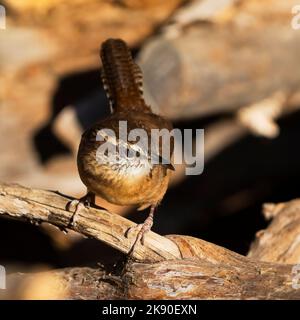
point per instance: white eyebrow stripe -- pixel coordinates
(118, 142)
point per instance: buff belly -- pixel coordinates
(142, 191)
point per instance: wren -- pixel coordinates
(127, 179)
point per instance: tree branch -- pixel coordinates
(171, 267)
(280, 242)
(37, 206)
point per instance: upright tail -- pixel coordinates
(122, 78)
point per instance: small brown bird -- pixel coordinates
(127, 179)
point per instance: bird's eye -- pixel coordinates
(138, 154)
(106, 153)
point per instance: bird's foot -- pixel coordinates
(135, 229)
(143, 229)
(76, 205)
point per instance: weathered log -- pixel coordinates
(178, 267)
(172, 279)
(280, 242)
(38, 206)
(223, 64)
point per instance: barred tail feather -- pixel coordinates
(122, 78)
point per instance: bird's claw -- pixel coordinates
(72, 205)
(75, 206)
(138, 229)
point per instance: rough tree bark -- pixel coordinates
(171, 267)
(281, 241)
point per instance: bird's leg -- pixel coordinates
(86, 201)
(144, 228)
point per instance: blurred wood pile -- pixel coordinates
(44, 41)
(234, 58)
(208, 58)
